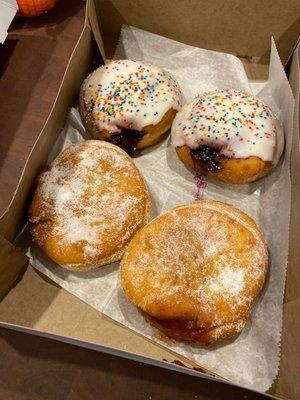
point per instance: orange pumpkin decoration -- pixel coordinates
(33, 8)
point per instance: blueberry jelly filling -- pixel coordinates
(206, 158)
(127, 139)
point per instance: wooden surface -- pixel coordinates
(32, 62)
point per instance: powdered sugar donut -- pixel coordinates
(195, 271)
(228, 135)
(131, 104)
(88, 205)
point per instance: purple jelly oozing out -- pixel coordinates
(206, 158)
(127, 139)
(200, 186)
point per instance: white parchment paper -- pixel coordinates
(251, 359)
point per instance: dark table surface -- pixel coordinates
(32, 63)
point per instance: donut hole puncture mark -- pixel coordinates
(206, 158)
(127, 139)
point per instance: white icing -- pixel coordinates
(128, 94)
(239, 124)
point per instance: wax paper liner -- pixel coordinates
(252, 358)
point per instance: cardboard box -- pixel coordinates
(29, 301)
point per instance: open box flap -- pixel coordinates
(135, 357)
(240, 28)
(288, 383)
(12, 261)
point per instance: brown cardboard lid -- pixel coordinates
(242, 28)
(12, 262)
(288, 383)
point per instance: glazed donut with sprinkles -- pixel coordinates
(228, 135)
(128, 103)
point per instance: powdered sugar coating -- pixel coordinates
(127, 94)
(88, 205)
(238, 123)
(204, 262)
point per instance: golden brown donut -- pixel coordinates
(129, 103)
(88, 205)
(233, 170)
(190, 332)
(196, 270)
(229, 136)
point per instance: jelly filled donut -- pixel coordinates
(88, 205)
(195, 271)
(229, 136)
(130, 104)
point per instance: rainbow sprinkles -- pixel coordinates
(237, 123)
(128, 94)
